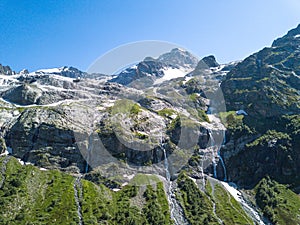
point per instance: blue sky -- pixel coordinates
(44, 34)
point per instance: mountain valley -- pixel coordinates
(169, 140)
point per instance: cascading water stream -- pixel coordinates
(87, 163)
(78, 187)
(176, 211)
(212, 144)
(168, 177)
(90, 143)
(166, 164)
(202, 175)
(247, 206)
(223, 165)
(221, 158)
(3, 170)
(88, 155)
(251, 211)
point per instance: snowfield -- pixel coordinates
(172, 73)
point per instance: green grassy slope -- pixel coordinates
(32, 196)
(278, 202)
(198, 205)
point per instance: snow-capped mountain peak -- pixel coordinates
(170, 65)
(62, 71)
(178, 57)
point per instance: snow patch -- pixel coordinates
(51, 70)
(124, 184)
(129, 176)
(133, 67)
(231, 188)
(187, 79)
(193, 179)
(66, 101)
(215, 123)
(172, 73)
(8, 80)
(21, 162)
(234, 192)
(4, 153)
(218, 68)
(12, 77)
(63, 78)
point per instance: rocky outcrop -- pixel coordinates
(253, 163)
(210, 61)
(145, 73)
(266, 86)
(42, 137)
(154, 104)
(65, 71)
(6, 70)
(71, 72)
(3, 147)
(135, 138)
(179, 58)
(23, 95)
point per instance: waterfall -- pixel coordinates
(223, 165)
(168, 177)
(247, 206)
(166, 164)
(221, 158)
(252, 213)
(202, 175)
(176, 210)
(89, 149)
(3, 170)
(87, 162)
(231, 187)
(78, 187)
(212, 144)
(91, 140)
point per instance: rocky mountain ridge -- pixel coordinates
(6, 70)
(176, 63)
(266, 85)
(237, 123)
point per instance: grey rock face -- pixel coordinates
(54, 122)
(179, 58)
(210, 61)
(134, 137)
(147, 71)
(6, 70)
(23, 95)
(266, 86)
(2, 145)
(65, 71)
(40, 137)
(267, 78)
(24, 72)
